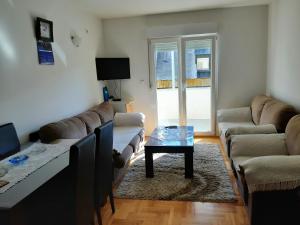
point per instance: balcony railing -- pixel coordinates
(198, 82)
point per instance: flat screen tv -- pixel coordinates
(112, 68)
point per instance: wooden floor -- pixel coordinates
(149, 212)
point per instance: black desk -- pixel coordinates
(11, 201)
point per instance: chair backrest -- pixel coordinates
(82, 167)
(104, 161)
(9, 141)
(293, 136)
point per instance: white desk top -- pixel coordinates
(35, 179)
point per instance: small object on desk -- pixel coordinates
(18, 159)
(3, 171)
(3, 183)
(171, 127)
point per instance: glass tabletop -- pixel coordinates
(172, 136)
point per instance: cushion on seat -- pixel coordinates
(257, 106)
(91, 120)
(142, 134)
(277, 113)
(293, 136)
(256, 145)
(72, 128)
(224, 126)
(127, 153)
(105, 111)
(135, 142)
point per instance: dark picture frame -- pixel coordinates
(44, 30)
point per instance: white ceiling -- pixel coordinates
(126, 8)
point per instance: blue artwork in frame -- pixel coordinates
(45, 53)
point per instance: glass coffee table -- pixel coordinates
(172, 139)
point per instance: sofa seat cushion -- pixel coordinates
(135, 142)
(123, 137)
(72, 128)
(127, 153)
(105, 111)
(142, 134)
(224, 126)
(91, 120)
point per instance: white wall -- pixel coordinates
(32, 95)
(284, 51)
(242, 47)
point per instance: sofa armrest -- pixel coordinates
(235, 115)
(119, 106)
(129, 119)
(258, 145)
(271, 173)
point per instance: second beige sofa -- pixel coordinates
(264, 110)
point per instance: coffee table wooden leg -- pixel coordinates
(189, 167)
(149, 164)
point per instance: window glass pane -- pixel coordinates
(198, 83)
(166, 71)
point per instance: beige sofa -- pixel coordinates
(268, 172)
(265, 115)
(128, 131)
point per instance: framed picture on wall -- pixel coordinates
(44, 30)
(45, 53)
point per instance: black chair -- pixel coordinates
(82, 168)
(104, 167)
(69, 197)
(9, 142)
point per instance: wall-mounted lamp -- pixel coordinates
(76, 40)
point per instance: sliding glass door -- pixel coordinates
(183, 71)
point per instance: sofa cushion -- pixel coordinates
(127, 153)
(224, 126)
(293, 136)
(105, 111)
(257, 145)
(277, 113)
(123, 136)
(142, 134)
(72, 128)
(257, 106)
(91, 120)
(135, 142)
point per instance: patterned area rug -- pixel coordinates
(211, 182)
